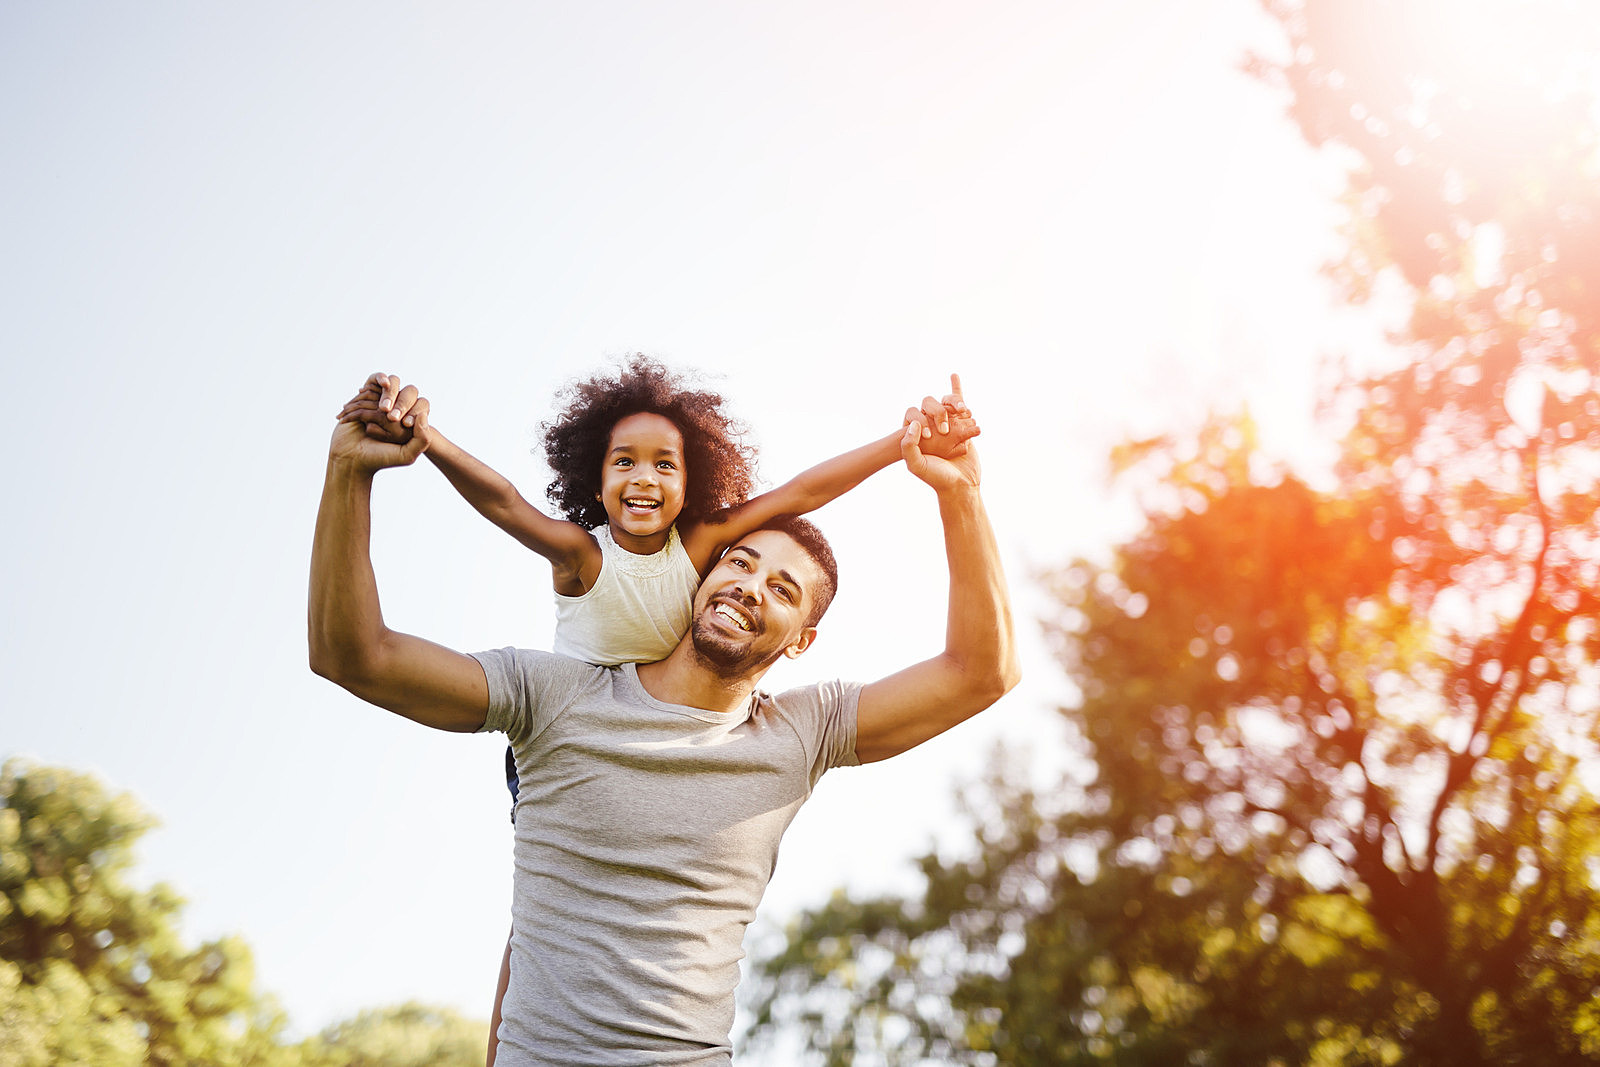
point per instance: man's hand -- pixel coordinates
(945, 426)
(383, 425)
(386, 411)
(936, 445)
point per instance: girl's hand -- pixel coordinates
(373, 446)
(386, 411)
(944, 426)
(934, 461)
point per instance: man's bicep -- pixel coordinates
(911, 706)
(426, 683)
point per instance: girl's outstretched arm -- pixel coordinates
(572, 551)
(705, 541)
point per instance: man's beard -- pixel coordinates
(724, 656)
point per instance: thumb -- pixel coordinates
(911, 441)
(420, 438)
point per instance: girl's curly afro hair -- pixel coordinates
(719, 466)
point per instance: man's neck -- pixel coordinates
(684, 678)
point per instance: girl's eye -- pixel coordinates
(666, 466)
(624, 462)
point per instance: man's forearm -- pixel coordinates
(979, 634)
(978, 664)
(345, 622)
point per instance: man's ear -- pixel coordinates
(801, 643)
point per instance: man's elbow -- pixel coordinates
(325, 664)
(1002, 680)
(337, 664)
(986, 684)
(1010, 677)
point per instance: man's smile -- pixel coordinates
(734, 614)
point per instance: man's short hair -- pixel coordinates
(808, 537)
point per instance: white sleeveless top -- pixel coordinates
(637, 609)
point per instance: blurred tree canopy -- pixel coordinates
(94, 972)
(409, 1035)
(1345, 734)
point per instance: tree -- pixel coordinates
(1346, 734)
(93, 971)
(409, 1035)
(92, 968)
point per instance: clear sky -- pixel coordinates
(216, 219)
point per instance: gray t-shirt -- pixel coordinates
(646, 834)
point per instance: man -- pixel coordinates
(654, 796)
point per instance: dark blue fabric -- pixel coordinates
(511, 781)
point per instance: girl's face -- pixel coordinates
(643, 480)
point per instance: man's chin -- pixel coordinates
(723, 655)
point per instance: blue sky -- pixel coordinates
(215, 220)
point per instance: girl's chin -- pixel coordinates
(640, 525)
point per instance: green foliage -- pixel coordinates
(1345, 736)
(409, 1035)
(93, 971)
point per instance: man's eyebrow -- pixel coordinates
(784, 573)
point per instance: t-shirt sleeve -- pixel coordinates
(824, 715)
(528, 689)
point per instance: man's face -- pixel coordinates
(753, 606)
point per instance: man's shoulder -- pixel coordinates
(529, 688)
(811, 692)
(532, 664)
(536, 657)
(816, 700)
(822, 715)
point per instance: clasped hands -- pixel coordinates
(392, 421)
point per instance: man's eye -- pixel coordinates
(783, 591)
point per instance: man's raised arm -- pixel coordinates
(979, 662)
(349, 643)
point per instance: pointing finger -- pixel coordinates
(954, 399)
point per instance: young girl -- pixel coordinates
(654, 485)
